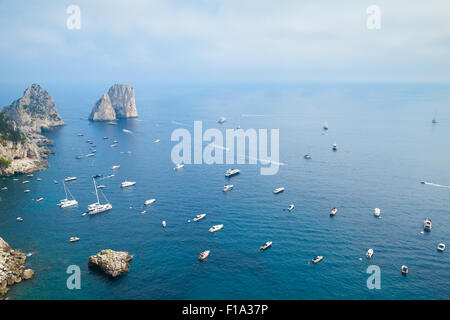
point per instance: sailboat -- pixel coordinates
(66, 202)
(97, 207)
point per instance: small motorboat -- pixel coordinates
(427, 224)
(178, 166)
(335, 147)
(39, 200)
(265, 245)
(101, 186)
(222, 120)
(232, 172)
(26, 191)
(404, 270)
(216, 228)
(90, 155)
(55, 182)
(5, 188)
(325, 126)
(333, 211)
(80, 134)
(105, 138)
(149, 201)
(114, 145)
(79, 157)
(115, 167)
(20, 219)
(377, 212)
(317, 259)
(25, 182)
(291, 207)
(143, 211)
(307, 156)
(441, 247)
(278, 190)
(74, 239)
(204, 255)
(157, 141)
(126, 184)
(164, 224)
(70, 179)
(199, 217)
(228, 187)
(369, 253)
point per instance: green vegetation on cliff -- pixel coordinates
(7, 132)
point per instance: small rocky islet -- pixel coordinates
(112, 263)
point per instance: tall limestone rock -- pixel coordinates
(118, 103)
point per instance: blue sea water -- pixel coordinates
(387, 146)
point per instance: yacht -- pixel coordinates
(427, 224)
(222, 120)
(441, 247)
(74, 239)
(199, 217)
(333, 211)
(216, 228)
(232, 172)
(70, 179)
(265, 245)
(228, 187)
(66, 202)
(178, 166)
(278, 190)
(317, 259)
(307, 157)
(97, 207)
(164, 224)
(377, 212)
(291, 207)
(335, 147)
(369, 253)
(149, 201)
(404, 270)
(325, 126)
(127, 184)
(115, 167)
(204, 255)
(20, 219)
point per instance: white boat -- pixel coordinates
(143, 211)
(98, 207)
(105, 138)
(101, 186)
(232, 172)
(216, 228)
(228, 187)
(317, 259)
(114, 145)
(278, 190)
(377, 212)
(333, 211)
(19, 219)
(157, 141)
(178, 166)
(70, 179)
(404, 270)
(307, 156)
(90, 155)
(222, 120)
(335, 147)
(441, 247)
(5, 188)
(26, 181)
(66, 202)
(427, 224)
(74, 239)
(291, 207)
(164, 224)
(127, 184)
(80, 134)
(265, 245)
(26, 191)
(111, 123)
(204, 255)
(115, 167)
(199, 217)
(149, 201)
(39, 200)
(325, 126)
(369, 253)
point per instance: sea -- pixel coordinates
(387, 146)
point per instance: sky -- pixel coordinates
(224, 41)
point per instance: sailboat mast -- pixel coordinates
(96, 192)
(65, 189)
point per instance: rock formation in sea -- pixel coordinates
(111, 262)
(121, 104)
(11, 267)
(22, 147)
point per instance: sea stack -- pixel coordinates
(112, 263)
(118, 103)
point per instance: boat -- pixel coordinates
(441, 247)
(115, 167)
(404, 270)
(127, 184)
(98, 207)
(377, 212)
(204, 255)
(114, 145)
(105, 138)
(97, 176)
(369, 253)
(307, 156)
(265, 245)
(101, 186)
(199, 217)
(26, 191)
(20, 219)
(178, 166)
(26, 181)
(115, 141)
(55, 182)
(79, 157)
(149, 201)
(157, 141)
(5, 188)
(216, 228)
(39, 200)
(232, 172)
(90, 155)
(80, 134)
(38, 179)
(278, 190)
(74, 239)
(111, 123)
(66, 202)
(291, 207)
(335, 147)
(317, 259)
(427, 224)
(143, 211)
(228, 187)
(70, 179)
(333, 211)
(222, 120)
(325, 126)
(164, 224)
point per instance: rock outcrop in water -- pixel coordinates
(22, 147)
(111, 262)
(118, 103)
(11, 267)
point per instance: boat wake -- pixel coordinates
(435, 185)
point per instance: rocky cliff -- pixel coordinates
(11, 267)
(111, 262)
(121, 101)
